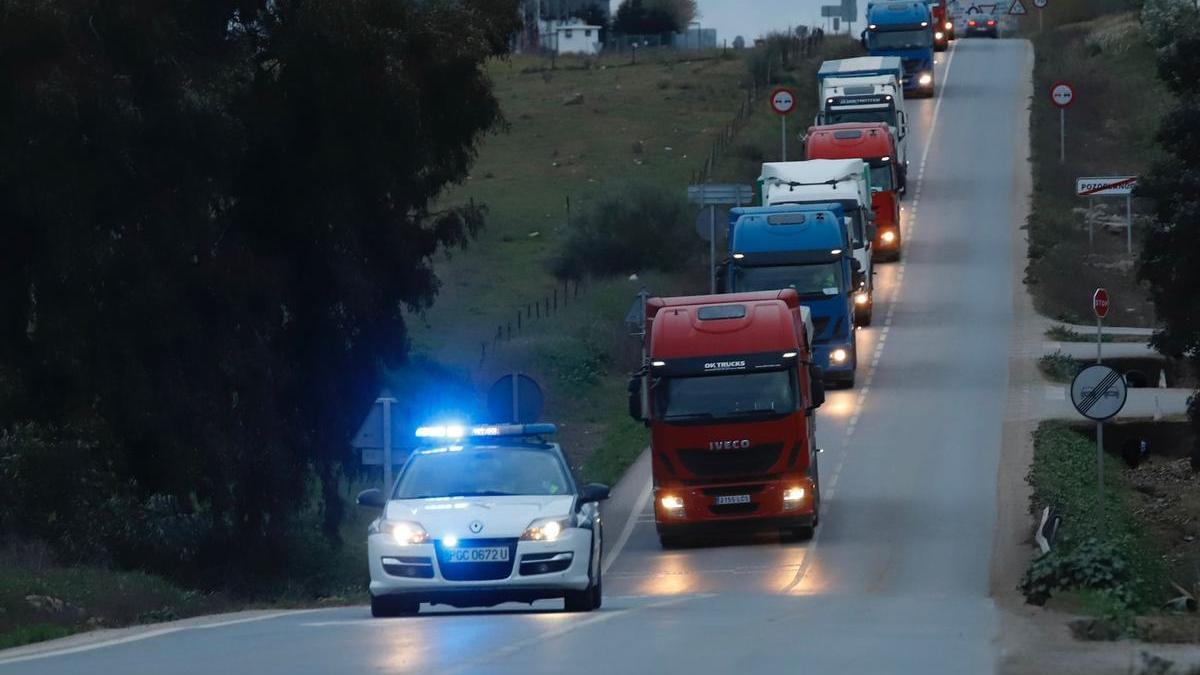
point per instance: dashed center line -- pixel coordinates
(906, 227)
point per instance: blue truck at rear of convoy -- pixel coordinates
(903, 29)
(802, 247)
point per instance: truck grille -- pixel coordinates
(476, 571)
(752, 462)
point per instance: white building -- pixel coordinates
(575, 38)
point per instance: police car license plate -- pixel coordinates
(481, 554)
(722, 500)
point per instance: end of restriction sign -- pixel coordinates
(1098, 392)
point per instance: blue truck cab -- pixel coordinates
(903, 29)
(804, 247)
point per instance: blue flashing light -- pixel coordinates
(460, 431)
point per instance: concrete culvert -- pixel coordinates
(1136, 379)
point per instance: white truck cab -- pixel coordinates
(846, 182)
(866, 89)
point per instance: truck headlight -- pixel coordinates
(925, 79)
(545, 529)
(838, 356)
(671, 502)
(403, 532)
(861, 298)
(949, 25)
(888, 237)
(939, 35)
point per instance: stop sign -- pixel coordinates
(1100, 303)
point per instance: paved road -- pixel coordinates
(896, 579)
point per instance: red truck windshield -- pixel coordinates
(723, 397)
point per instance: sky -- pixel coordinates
(753, 18)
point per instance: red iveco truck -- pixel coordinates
(729, 392)
(873, 143)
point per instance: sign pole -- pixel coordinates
(783, 136)
(1062, 135)
(387, 401)
(1129, 223)
(1100, 477)
(1091, 221)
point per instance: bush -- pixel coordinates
(1092, 565)
(632, 230)
(1059, 367)
(1097, 548)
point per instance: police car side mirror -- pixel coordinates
(372, 498)
(816, 377)
(593, 492)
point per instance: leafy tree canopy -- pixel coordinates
(214, 213)
(648, 17)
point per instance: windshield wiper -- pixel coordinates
(755, 412)
(688, 416)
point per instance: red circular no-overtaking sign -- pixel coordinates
(783, 101)
(1062, 94)
(1100, 303)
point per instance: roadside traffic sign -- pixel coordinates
(1062, 94)
(1105, 186)
(783, 101)
(1100, 303)
(1017, 9)
(1098, 392)
(1041, 4)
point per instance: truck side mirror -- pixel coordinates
(862, 38)
(635, 398)
(816, 381)
(855, 266)
(722, 278)
(860, 279)
(872, 230)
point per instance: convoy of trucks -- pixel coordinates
(731, 382)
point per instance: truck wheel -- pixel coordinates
(383, 606)
(670, 541)
(862, 317)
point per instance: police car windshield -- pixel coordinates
(482, 472)
(715, 397)
(900, 39)
(817, 280)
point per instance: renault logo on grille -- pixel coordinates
(476, 526)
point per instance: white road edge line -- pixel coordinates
(630, 524)
(150, 634)
(811, 550)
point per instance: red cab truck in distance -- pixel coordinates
(873, 143)
(729, 392)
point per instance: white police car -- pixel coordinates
(485, 515)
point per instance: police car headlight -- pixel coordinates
(403, 532)
(925, 79)
(545, 529)
(838, 356)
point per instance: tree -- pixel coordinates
(1167, 261)
(594, 15)
(214, 215)
(650, 17)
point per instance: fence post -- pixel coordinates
(556, 300)
(510, 332)
(547, 308)
(518, 321)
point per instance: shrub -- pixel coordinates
(1059, 367)
(1092, 565)
(639, 228)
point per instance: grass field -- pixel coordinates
(1110, 131)
(585, 128)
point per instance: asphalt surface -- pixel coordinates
(896, 579)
